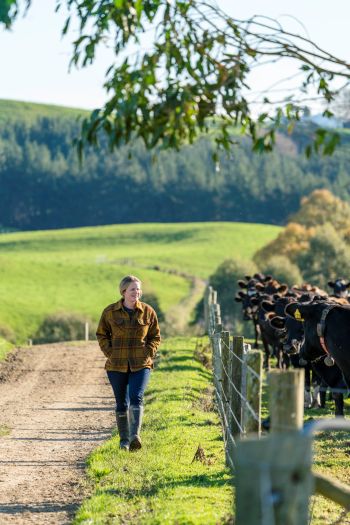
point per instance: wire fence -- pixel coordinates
(237, 377)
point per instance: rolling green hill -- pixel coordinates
(30, 111)
(78, 270)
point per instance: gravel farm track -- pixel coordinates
(55, 408)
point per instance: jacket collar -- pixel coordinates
(119, 305)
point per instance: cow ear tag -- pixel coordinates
(297, 315)
(329, 361)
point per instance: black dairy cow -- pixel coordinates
(276, 307)
(340, 288)
(323, 375)
(327, 335)
(249, 309)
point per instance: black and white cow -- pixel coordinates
(340, 288)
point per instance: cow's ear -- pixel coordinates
(267, 278)
(254, 301)
(331, 284)
(278, 322)
(238, 299)
(241, 294)
(293, 310)
(268, 306)
(283, 288)
(242, 284)
(347, 285)
(247, 277)
(260, 287)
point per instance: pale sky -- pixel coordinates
(34, 59)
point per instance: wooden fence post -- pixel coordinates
(215, 360)
(207, 298)
(217, 317)
(273, 480)
(236, 378)
(86, 331)
(225, 386)
(252, 423)
(225, 342)
(286, 399)
(211, 318)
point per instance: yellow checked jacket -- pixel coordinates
(128, 341)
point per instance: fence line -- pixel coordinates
(237, 374)
(274, 481)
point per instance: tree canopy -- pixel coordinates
(194, 76)
(317, 241)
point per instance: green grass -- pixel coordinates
(161, 484)
(30, 111)
(331, 458)
(78, 270)
(5, 348)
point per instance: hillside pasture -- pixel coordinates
(11, 110)
(78, 270)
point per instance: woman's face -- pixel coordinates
(132, 293)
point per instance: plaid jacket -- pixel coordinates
(128, 341)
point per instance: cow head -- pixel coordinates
(249, 308)
(340, 287)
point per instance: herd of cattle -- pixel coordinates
(303, 327)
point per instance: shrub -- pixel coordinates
(293, 240)
(7, 333)
(282, 269)
(63, 326)
(151, 299)
(327, 258)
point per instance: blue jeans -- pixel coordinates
(129, 387)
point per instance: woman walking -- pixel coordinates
(128, 335)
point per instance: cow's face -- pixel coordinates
(308, 315)
(278, 324)
(248, 307)
(294, 337)
(340, 287)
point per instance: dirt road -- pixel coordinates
(57, 407)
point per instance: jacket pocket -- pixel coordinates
(142, 327)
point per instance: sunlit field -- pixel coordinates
(77, 270)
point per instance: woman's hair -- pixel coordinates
(124, 283)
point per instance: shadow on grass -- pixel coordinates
(187, 368)
(208, 480)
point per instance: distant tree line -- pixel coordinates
(42, 185)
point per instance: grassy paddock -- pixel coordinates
(163, 484)
(77, 270)
(331, 458)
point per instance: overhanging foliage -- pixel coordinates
(193, 77)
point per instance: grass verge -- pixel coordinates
(5, 348)
(166, 482)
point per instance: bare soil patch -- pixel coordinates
(57, 405)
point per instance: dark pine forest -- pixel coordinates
(43, 186)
